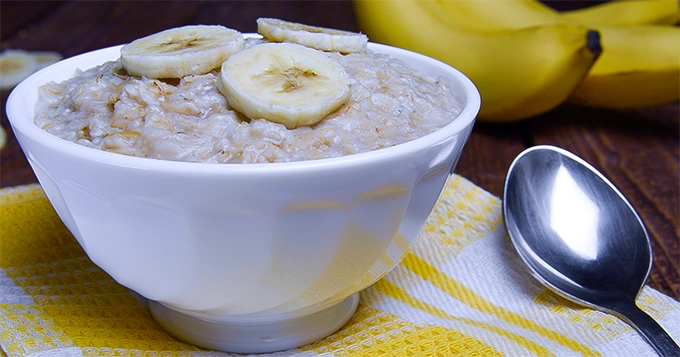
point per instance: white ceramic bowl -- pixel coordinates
(244, 257)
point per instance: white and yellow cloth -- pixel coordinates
(461, 291)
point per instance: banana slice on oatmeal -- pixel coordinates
(284, 83)
(320, 38)
(16, 65)
(181, 51)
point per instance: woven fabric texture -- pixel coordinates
(460, 291)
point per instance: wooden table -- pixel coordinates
(638, 149)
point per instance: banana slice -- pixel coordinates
(284, 83)
(15, 65)
(181, 51)
(311, 36)
(3, 138)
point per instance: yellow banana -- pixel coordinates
(627, 13)
(491, 15)
(519, 73)
(639, 65)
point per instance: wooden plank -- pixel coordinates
(14, 168)
(16, 16)
(308, 12)
(641, 158)
(489, 153)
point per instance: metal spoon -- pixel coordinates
(580, 236)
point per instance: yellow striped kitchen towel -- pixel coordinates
(461, 291)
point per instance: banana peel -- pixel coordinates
(627, 13)
(519, 73)
(638, 66)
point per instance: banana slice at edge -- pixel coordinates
(181, 51)
(3, 137)
(284, 83)
(16, 65)
(320, 38)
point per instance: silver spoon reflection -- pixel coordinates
(580, 236)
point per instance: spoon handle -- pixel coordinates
(649, 328)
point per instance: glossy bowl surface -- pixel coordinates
(243, 241)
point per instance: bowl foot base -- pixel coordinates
(263, 335)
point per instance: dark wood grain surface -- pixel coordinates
(638, 150)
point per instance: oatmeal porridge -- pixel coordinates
(190, 119)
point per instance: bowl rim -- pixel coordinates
(21, 121)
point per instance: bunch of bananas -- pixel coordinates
(526, 58)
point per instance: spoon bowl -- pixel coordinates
(580, 236)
